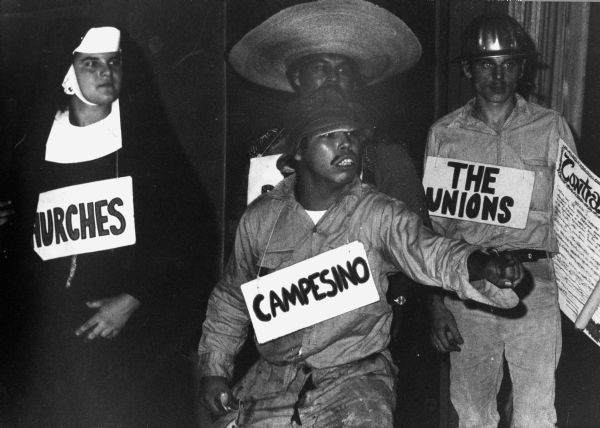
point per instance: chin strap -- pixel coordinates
(71, 86)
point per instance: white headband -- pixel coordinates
(99, 40)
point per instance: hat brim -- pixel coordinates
(497, 54)
(378, 42)
(323, 124)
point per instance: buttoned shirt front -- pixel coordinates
(528, 141)
(528, 338)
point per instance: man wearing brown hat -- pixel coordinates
(323, 363)
(498, 127)
(340, 43)
(345, 44)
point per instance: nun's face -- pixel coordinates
(99, 76)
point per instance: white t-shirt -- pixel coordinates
(316, 215)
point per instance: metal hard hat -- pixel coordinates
(493, 35)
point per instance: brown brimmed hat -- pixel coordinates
(322, 111)
(379, 42)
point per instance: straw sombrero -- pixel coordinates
(379, 42)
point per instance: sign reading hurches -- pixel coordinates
(84, 218)
(478, 192)
(314, 290)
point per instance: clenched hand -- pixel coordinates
(503, 270)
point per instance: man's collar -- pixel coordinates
(465, 118)
(284, 190)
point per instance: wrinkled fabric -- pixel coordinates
(387, 166)
(529, 141)
(276, 232)
(356, 394)
(528, 336)
(530, 342)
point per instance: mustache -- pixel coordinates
(349, 154)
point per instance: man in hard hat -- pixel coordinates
(499, 127)
(321, 366)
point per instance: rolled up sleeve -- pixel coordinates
(226, 324)
(433, 260)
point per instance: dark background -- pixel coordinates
(403, 105)
(216, 115)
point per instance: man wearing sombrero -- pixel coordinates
(345, 44)
(342, 43)
(293, 274)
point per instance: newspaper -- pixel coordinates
(577, 226)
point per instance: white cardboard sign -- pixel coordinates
(478, 192)
(314, 290)
(263, 175)
(85, 218)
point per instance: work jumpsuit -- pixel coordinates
(350, 369)
(528, 336)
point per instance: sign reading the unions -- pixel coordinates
(478, 192)
(314, 290)
(84, 218)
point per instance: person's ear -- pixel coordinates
(466, 68)
(298, 150)
(294, 78)
(523, 63)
